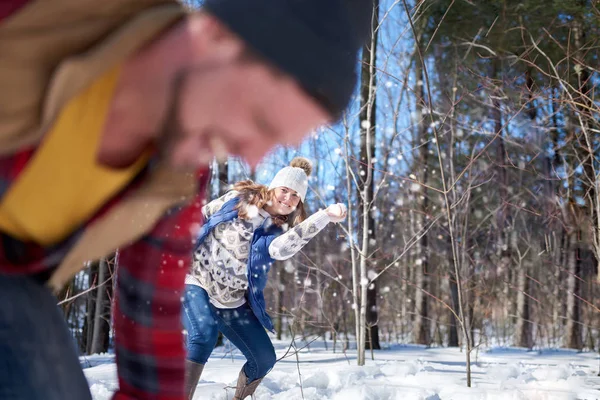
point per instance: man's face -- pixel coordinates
(242, 108)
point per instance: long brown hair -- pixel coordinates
(255, 194)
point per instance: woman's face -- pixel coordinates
(284, 201)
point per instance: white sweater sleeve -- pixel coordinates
(209, 209)
(291, 242)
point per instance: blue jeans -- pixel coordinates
(203, 321)
(38, 357)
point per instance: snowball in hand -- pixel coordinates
(337, 212)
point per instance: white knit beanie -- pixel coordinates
(294, 177)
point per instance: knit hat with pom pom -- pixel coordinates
(294, 177)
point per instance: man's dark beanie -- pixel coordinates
(314, 41)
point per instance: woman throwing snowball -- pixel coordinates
(245, 231)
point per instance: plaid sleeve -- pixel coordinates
(150, 283)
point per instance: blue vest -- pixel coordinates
(259, 259)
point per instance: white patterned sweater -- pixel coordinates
(219, 265)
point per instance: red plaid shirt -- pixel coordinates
(150, 283)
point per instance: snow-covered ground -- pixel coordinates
(398, 373)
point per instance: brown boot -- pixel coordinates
(192, 376)
(243, 388)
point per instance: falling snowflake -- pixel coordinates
(415, 187)
(289, 267)
(194, 229)
(252, 211)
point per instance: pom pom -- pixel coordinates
(302, 163)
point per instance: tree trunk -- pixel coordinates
(223, 176)
(368, 301)
(524, 329)
(368, 113)
(589, 182)
(557, 299)
(587, 147)
(404, 317)
(88, 324)
(574, 332)
(453, 329)
(559, 249)
(100, 331)
(373, 317)
(503, 217)
(421, 326)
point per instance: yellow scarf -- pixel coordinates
(63, 186)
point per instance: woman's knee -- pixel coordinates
(203, 334)
(201, 342)
(201, 329)
(197, 316)
(265, 362)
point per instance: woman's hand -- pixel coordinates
(337, 212)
